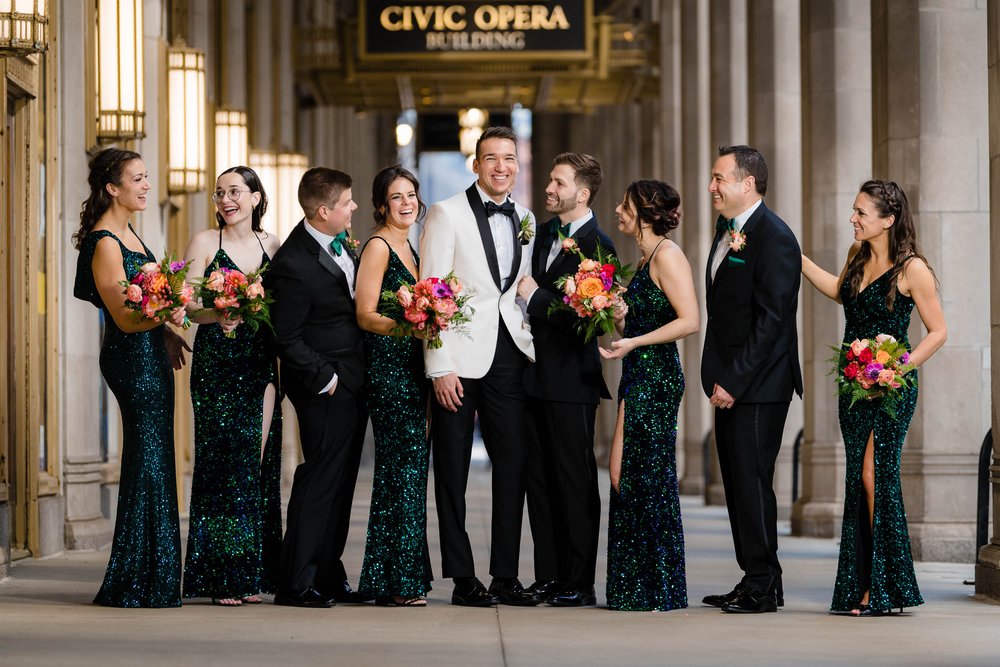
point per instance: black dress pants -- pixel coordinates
(498, 398)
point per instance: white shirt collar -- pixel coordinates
(575, 226)
(485, 197)
(742, 218)
(321, 238)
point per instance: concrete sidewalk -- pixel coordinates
(46, 617)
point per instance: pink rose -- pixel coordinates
(570, 287)
(600, 302)
(589, 265)
(404, 296)
(569, 244)
(857, 346)
(216, 281)
(415, 316)
(886, 377)
(187, 293)
(149, 267)
(255, 290)
(455, 284)
(422, 303)
(881, 338)
(223, 302)
(134, 293)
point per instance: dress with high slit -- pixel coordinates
(234, 534)
(875, 557)
(645, 536)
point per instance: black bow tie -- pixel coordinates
(506, 208)
(722, 224)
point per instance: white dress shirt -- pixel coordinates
(503, 239)
(574, 227)
(723, 247)
(345, 262)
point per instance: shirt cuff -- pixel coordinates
(329, 385)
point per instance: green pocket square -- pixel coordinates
(736, 260)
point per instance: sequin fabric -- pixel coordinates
(144, 569)
(881, 556)
(645, 535)
(234, 530)
(396, 560)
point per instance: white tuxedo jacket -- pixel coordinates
(457, 239)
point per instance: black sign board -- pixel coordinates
(439, 29)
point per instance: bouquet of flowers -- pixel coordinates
(427, 308)
(594, 292)
(158, 289)
(867, 369)
(236, 296)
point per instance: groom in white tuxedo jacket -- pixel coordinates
(486, 240)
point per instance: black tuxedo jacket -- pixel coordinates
(316, 331)
(751, 343)
(566, 369)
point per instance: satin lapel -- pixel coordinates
(518, 250)
(542, 248)
(328, 263)
(709, 284)
(485, 235)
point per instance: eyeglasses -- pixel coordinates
(233, 193)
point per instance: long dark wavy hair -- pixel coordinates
(252, 180)
(889, 199)
(380, 192)
(656, 203)
(105, 168)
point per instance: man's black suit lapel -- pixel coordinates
(485, 235)
(568, 262)
(323, 257)
(546, 237)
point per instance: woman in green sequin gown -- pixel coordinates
(645, 535)
(144, 569)
(883, 279)
(234, 534)
(396, 569)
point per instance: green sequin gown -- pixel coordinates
(645, 534)
(878, 559)
(396, 559)
(234, 530)
(144, 569)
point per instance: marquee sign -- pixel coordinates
(391, 29)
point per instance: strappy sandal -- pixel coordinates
(400, 601)
(252, 599)
(227, 602)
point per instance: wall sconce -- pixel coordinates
(265, 163)
(186, 91)
(230, 139)
(23, 27)
(291, 167)
(120, 112)
(471, 123)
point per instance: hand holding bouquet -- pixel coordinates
(594, 292)
(427, 308)
(157, 290)
(867, 369)
(236, 296)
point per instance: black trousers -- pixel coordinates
(748, 437)
(564, 503)
(498, 398)
(332, 433)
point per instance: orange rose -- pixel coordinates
(590, 288)
(882, 357)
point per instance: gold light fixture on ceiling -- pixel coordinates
(23, 27)
(119, 57)
(230, 139)
(186, 90)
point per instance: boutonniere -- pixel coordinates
(352, 242)
(527, 231)
(568, 243)
(737, 240)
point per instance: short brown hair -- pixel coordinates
(587, 170)
(749, 162)
(495, 132)
(321, 186)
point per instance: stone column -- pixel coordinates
(837, 145)
(930, 135)
(988, 565)
(775, 120)
(698, 228)
(80, 340)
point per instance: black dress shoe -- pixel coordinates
(574, 597)
(309, 598)
(470, 592)
(344, 594)
(510, 591)
(543, 590)
(724, 599)
(750, 601)
(719, 600)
